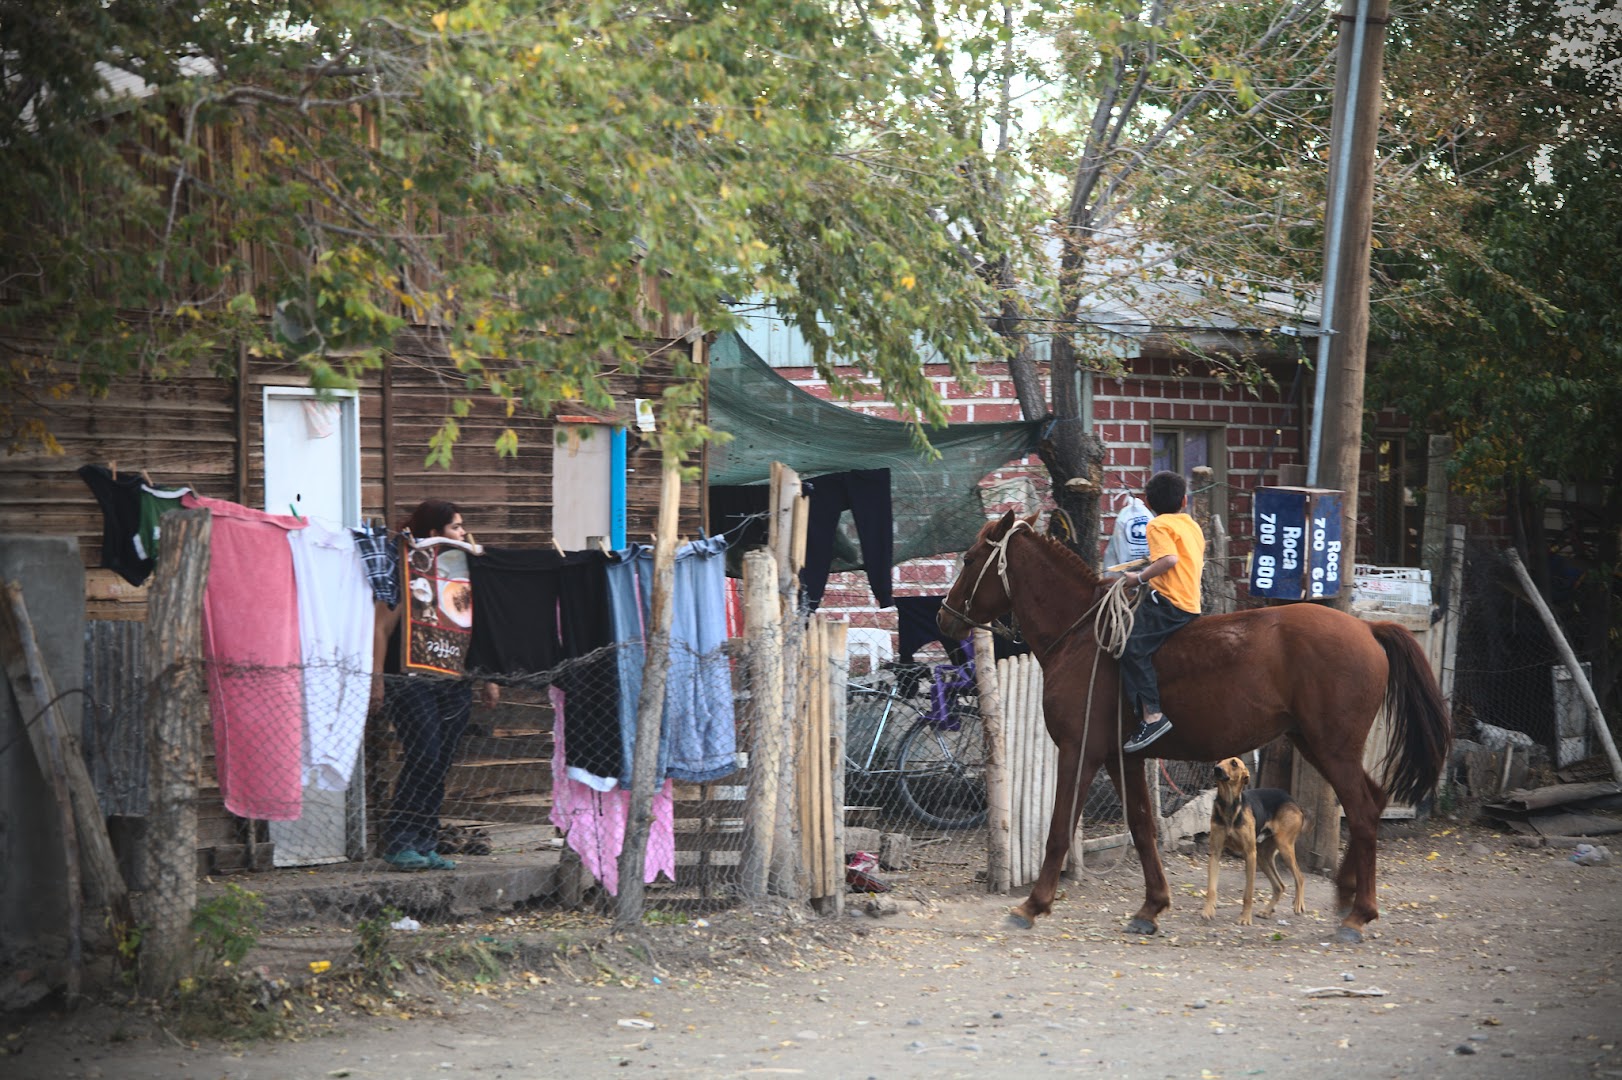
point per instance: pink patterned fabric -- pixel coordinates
(593, 822)
(251, 642)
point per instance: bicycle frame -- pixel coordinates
(890, 696)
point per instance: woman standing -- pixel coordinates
(429, 712)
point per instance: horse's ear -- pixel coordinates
(1032, 519)
(1005, 524)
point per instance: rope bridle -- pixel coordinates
(1000, 548)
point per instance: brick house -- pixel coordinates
(1165, 411)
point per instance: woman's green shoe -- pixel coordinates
(408, 860)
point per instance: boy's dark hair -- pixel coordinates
(1165, 491)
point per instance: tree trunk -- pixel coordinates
(178, 709)
(1073, 456)
(650, 707)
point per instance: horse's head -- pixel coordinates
(980, 593)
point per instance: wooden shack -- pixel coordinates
(220, 435)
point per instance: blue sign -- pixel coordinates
(1298, 543)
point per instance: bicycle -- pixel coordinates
(937, 765)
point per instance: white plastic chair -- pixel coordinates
(870, 641)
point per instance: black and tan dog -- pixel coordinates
(1260, 823)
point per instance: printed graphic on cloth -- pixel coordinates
(439, 605)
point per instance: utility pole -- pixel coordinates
(1362, 24)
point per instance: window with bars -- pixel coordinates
(1184, 449)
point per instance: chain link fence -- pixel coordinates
(318, 804)
(333, 809)
(1510, 686)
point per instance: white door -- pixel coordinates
(580, 484)
(312, 454)
(312, 468)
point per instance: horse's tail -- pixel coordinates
(1420, 729)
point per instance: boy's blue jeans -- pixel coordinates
(1157, 619)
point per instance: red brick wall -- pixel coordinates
(1259, 429)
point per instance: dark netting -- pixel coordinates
(937, 503)
(1505, 663)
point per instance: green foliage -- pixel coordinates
(374, 947)
(127, 943)
(227, 927)
(517, 178)
(1523, 364)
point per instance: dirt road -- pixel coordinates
(1490, 960)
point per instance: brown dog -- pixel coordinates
(1262, 822)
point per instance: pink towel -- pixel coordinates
(593, 822)
(251, 642)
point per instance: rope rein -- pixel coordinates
(1113, 616)
(1112, 625)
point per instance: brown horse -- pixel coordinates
(1230, 683)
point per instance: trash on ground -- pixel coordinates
(1342, 991)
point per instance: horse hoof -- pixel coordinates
(1347, 935)
(1141, 927)
(1018, 920)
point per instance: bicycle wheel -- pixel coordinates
(943, 772)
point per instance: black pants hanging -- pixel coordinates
(535, 610)
(866, 494)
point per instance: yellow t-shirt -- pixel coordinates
(1177, 534)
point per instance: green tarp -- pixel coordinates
(936, 502)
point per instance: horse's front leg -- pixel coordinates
(1069, 795)
(1134, 792)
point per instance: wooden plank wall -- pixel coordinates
(195, 429)
(206, 431)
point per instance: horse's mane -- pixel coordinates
(1067, 555)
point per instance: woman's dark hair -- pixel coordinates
(1164, 492)
(430, 516)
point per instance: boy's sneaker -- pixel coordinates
(408, 860)
(1146, 734)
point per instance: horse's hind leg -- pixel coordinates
(1362, 798)
(1134, 791)
(1069, 795)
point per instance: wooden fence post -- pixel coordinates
(178, 708)
(838, 679)
(1455, 609)
(631, 902)
(1433, 545)
(762, 619)
(787, 541)
(811, 788)
(998, 810)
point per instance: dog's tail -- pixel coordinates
(1420, 729)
